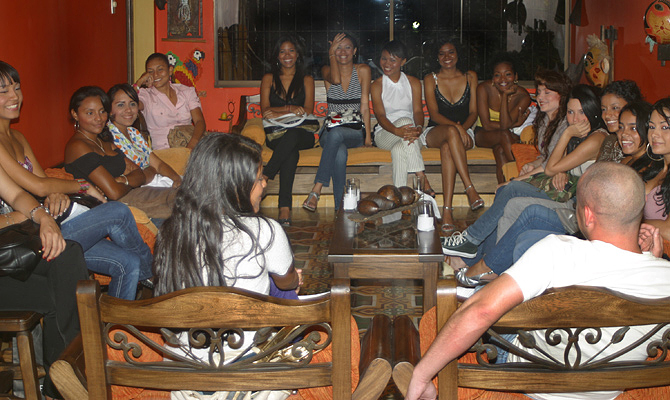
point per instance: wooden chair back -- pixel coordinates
(579, 312)
(209, 314)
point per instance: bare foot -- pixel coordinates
(455, 262)
(284, 213)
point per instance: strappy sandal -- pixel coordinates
(471, 281)
(448, 229)
(430, 192)
(477, 204)
(306, 204)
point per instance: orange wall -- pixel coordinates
(58, 46)
(215, 100)
(632, 59)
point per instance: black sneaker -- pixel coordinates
(458, 245)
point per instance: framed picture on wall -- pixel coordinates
(184, 19)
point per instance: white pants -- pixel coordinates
(405, 158)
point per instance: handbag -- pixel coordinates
(276, 127)
(348, 118)
(543, 181)
(20, 250)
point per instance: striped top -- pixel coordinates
(338, 100)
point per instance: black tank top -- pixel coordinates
(458, 111)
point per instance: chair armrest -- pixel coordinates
(68, 372)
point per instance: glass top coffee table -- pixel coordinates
(389, 251)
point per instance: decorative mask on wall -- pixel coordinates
(597, 62)
(657, 21)
(189, 71)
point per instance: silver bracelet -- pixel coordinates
(34, 210)
(9, 220)
(126, 178)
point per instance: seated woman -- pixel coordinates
(50, 288)
(502, 106)
(553, 89)
(347, 88)
(215, 236)
(287, 89)
(539, 220)
(122, 117)
(396, 99)
(125, 258)
(90, 156)
(658, 189)
(613, 99)
(575, 150)
(452, 105)
(165, 104)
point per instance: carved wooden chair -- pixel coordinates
(577, 313)
(208, 316)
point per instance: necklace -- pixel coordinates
(94, 141)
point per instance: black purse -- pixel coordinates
(20, 249)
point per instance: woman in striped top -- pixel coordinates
(347, 88)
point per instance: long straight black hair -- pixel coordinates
(297, 85)
(214, 195)
(663, 108)
(590, 103)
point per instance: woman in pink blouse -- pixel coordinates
(165, 104)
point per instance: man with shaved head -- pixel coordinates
(618, 254)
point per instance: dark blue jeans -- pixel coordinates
(125, 258)
(500, 256)
(487, 223)
(333, 164)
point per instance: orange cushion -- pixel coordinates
(148, 355)
(524, 153)
(326, 355)
(253, 129)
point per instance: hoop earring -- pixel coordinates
(650, 153)
(516, 81)
(493, 84)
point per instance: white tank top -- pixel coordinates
(397, 98)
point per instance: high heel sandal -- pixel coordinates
(471, 281)
(306, 204)
(477, 204)
(448, 229)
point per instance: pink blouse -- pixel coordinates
(652, 208)
(161, 115)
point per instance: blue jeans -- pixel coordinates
(534, 218)
(487, 223)
(333, 164)
(125, 258)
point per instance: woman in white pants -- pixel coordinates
(396, 99)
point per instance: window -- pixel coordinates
(485, 26)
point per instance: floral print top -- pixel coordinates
(137, 150)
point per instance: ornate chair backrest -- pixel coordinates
(583, 318)
(207, 318)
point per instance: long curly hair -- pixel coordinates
(557, 82)
(215, 193)
(297, 85)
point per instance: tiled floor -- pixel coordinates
(310, 236)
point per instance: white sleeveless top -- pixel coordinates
(397, 98)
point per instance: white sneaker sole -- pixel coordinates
(450, 252)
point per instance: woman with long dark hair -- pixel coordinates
(287, 89)
(452, 104)
(658, 189)
(215, 236)
(123, 114)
